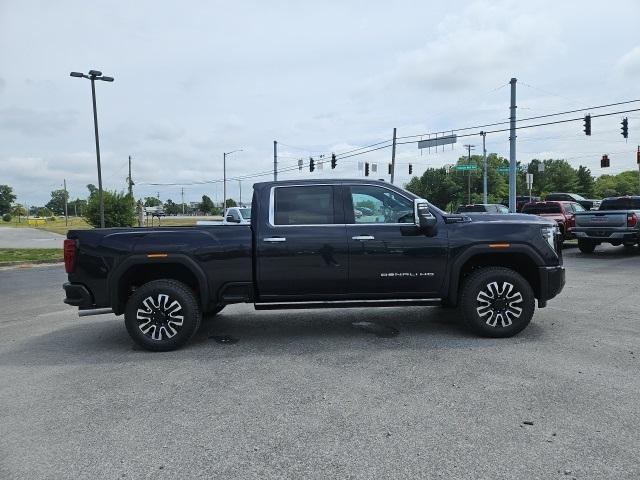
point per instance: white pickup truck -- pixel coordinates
(615, 222)
(235, 216)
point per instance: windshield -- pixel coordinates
(472, 208)
(623, 203)
(246, 213)
(542, 208)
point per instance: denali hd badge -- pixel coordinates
(408, 274)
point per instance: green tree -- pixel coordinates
(44, 212)
(624, 183)
(118, 209)
(77, 207)
(206, 206)
(6, 198)
(171, 208)
(18, 211)
(230, 203)
(56, 204)
(584, 182)
(152, 202)
(436, 185)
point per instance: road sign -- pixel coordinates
(502, 169)
(466, 167)
(529, 177)
(434, 142)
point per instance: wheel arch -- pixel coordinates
(137, 270)
(519, 258)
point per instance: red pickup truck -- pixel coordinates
(561, 212)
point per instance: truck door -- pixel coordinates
(389, 256)
(302, 250)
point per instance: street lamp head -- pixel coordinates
(77, 74)
(95, 73)
(106, 79)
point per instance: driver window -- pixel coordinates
(373, 204)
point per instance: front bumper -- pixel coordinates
(552, 281)
(77, 295)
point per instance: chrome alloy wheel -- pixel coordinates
(499, 303)
(160, 319)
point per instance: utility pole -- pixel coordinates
(512, 148)
(275, 161)
(240, 187)
(393, 156)
(130, 181)
(638, 162)
(182, 201)
(469, 147)
(66, 215)
(484, 161)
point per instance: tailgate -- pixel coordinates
(613, 218)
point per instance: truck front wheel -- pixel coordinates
(162, 315)
(497, 302)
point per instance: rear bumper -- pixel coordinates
(604, 235)
(77, 295)
(551, 283)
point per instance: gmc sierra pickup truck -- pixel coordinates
(615, 222)
(307, 248)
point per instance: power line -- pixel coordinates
(537, 117)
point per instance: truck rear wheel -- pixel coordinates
(162, 315)
(586, 246)
(497, 302)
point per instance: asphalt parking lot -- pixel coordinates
(305, 394)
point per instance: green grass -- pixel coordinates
(27, 255)
(55, 226)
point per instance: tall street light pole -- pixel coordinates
(94, 75)
(224, 181)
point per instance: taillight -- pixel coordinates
(632, 220)
(69, 255)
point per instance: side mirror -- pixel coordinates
(424, 219)
(230, 218)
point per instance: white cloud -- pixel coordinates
(629, 63)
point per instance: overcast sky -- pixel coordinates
(195, 79)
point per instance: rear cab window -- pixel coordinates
(542, 208)
(624, 203)
(303, 205)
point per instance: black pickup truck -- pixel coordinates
(312, 244)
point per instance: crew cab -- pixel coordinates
(563, 213)
(307, 248)
(615, 222)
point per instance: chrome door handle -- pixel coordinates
(275, 239)
(364, 237)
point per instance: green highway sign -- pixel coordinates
(466, 167)
(502, 169)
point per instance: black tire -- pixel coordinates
(497, 302)
(629, 246)
(586, 246)
(154, 312)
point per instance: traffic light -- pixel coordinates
(625, 127)
(587, 125)
(638, 155)
(410, 169)
(312, 164)
(334, 162)
(604, 162)
(390, 167)
(366, 169)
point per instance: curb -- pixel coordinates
(23, 264)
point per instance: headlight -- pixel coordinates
(549, 233)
